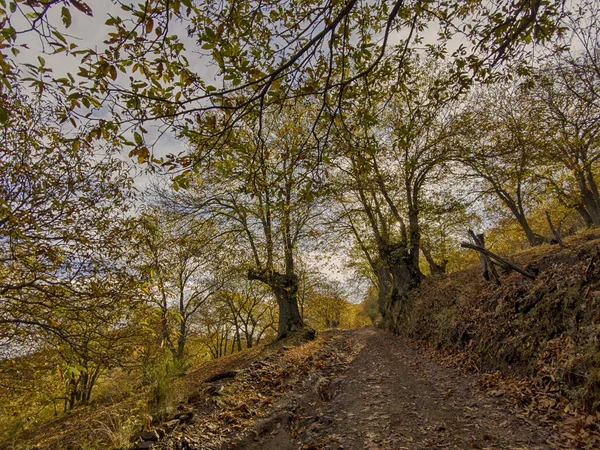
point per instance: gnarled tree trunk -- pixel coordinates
(590, 199)
(285, 288)
(397, 275)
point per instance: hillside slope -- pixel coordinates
(356, 389)
(545, 332)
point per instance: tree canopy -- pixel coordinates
(177, 63)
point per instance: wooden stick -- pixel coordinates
(488, 269)
(554, 231)
(501, 260)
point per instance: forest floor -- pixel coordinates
(365, 389)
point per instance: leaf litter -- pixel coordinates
(369, 389)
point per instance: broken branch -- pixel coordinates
(499, 259)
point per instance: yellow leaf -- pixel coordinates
(149, 26)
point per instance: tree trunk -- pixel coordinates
(238, 338)
(589, 196)
(534, 239)
(555, 232)
(435, 268)
(593, 187)
(518, 212)
(285, 288)
(83, 388)
(220, 343)
(164, 327)
(398, 274)
(79, 389)
(178, 354)
(249, 339)
(585, 215)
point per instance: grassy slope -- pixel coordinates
(119, 410)
(546, 330)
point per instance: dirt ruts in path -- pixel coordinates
(394, 397)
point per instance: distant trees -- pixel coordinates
(327, 306)
(252, 313)
(181, 265)
(217, 334)
(241, 316)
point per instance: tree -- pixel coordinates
(370, 305)
(445, 217)
(62, 227)
(252, 313)
(569, 86)
(65, 283)
(264, 191)
(571, 127)
(217, 330)
(97, 344)
(578, 52)
(327, 306)
(242, 315)
(384, 173)
(500, 146)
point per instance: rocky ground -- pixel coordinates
(360, 389)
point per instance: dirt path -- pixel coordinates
(393, 397)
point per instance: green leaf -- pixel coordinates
(3, 115)
(138, 138)
(66, 16)
(59, 36)
(209, 35)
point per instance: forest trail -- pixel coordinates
(392, 396)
